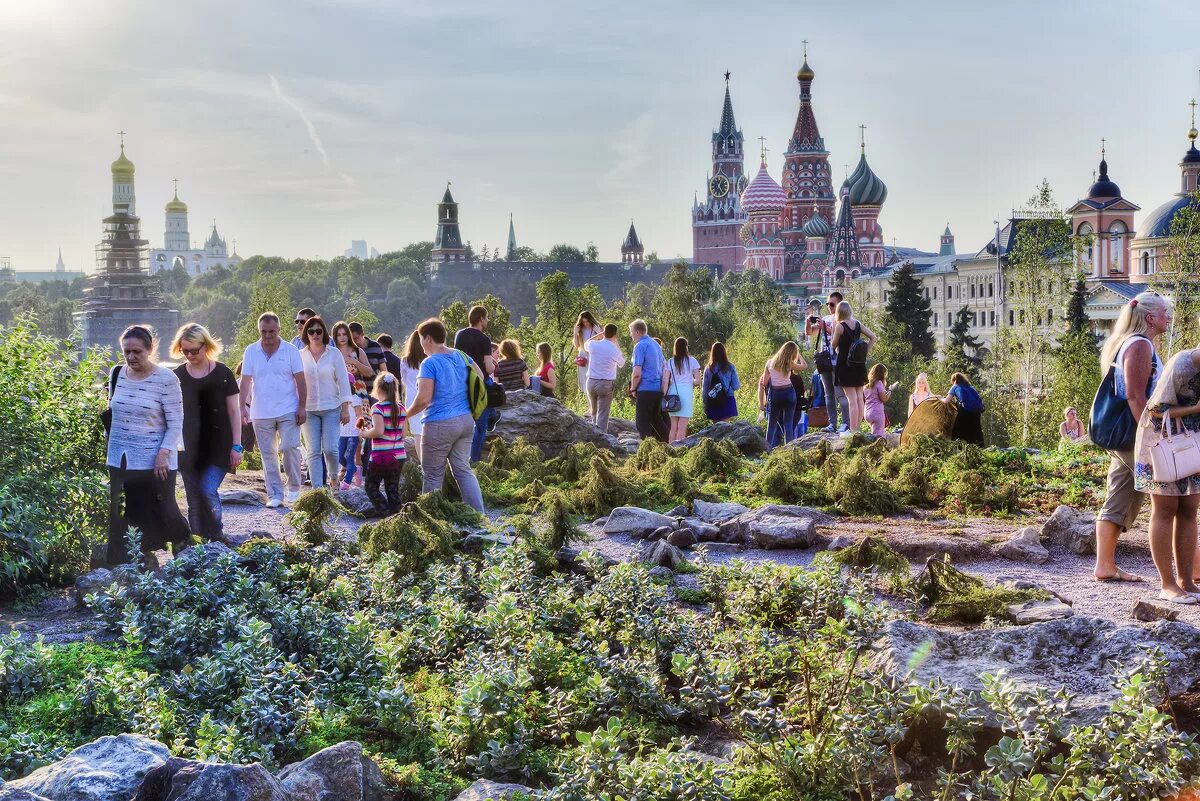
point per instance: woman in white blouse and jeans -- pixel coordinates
(328, 404)
(143, 450)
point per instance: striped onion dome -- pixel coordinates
(763, 194)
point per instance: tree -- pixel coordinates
(269, 296)
(564, 252)
(962, 346)
(682, 307)
(526, 253)
(456, 316)
(908, 306)
(1077, 320)
(751, 294)
(591, 252)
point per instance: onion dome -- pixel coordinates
(175, 204)
(1158, 222)
(763, 194)
(816, 226)
(805, 73)
(866, 189)
(1193, 155)
(1104, 187)
(122, 167)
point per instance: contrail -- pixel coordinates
(312, 130)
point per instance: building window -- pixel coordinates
(1145, 263)
(935, 293)
(935, 320)
(1010, 317)
(991, 289)
(972, 290)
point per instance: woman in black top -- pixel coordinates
(212, 430)
(851, 376)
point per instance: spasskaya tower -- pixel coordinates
(717, 222)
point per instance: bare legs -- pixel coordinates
(858, 404)
(679, 426)
(1107, 533)
(1173, 534)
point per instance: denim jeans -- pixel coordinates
(480, 435)
(450, 441)
(322, 430)
(202, 486)
(835, 399)
(275, 434)
(779, 415)
(347, 452)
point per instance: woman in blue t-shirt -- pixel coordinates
(448, 424)
(968, 423)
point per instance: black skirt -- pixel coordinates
(968, 426)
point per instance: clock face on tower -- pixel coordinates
(719, 186)
(741, 184)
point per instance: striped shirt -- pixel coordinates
(393, 435)
(147, 414)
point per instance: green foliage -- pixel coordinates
(414, 538)
(53, 502)
(311, 515)
(955, 596)
(962, 345)
(908, 308)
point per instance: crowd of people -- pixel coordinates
(332, 407)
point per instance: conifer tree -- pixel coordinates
(962, 345)
(1077, 319)
(908, 307)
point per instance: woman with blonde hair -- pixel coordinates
(852, 341)
(586, 327)
(511, 370)
(776, 395)
(920, 392)
(1130, 354)
(212, 426)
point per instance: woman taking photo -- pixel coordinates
(410, 367)
(776, 393)
(851, 374)
(1173, 503)
(329, 398)
(920, 393)
(212, 426)
(143, 450)
(449, 426)
(680, 377)
(586, 327)
(720, 383)
(356, 357)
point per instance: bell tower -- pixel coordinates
(717, 221)
(447, 245)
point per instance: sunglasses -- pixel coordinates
(315, 331)
(190, 351)
(299, 322)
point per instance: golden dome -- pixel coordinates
(122, 166)
(175, 204)
(805, 73)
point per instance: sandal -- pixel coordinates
(1121, 575)
(1183, 600)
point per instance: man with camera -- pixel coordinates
(821, 326)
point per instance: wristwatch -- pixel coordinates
(238, 449)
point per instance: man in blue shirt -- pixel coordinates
(645, 384)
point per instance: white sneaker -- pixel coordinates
(846, 434)
(274, 503)
(292, 497)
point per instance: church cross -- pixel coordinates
(122, 135)
(176, 182)
(762, 144)
(1193, 105)
(805, 43)
(1102, 147)
(862, 137)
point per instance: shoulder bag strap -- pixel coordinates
(112, 380)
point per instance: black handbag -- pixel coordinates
(671, 402)
(823, 358)
(106, 415)
(496, 395)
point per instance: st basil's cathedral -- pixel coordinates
(789, 229)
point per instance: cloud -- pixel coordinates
(312, 129)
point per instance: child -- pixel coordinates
(349, 441)
(877, 393)
(385, 432)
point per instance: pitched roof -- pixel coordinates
(728, 125)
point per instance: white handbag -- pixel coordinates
(1176, 455)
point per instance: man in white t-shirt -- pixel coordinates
(604, 357)
(274, 397)
(822, 329)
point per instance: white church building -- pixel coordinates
(177, 245)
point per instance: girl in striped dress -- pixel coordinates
(385, 432)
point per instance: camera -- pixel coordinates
(814, 319)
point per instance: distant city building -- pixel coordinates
(821, 250)
(177, 250)
(122, 293)
(453, 274)
(59, 273)
(359, 250)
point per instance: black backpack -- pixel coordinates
(856, 355)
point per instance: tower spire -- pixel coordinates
(728, 128)
(862, 138)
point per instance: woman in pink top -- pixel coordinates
(877, 393)
(776, 395)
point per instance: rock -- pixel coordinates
(661, 533)
(548, 424)
(661, 572)
(242, 497)
(478, 543)
(1077, 654)
(1014, 583)
(717, 512)
(1025, 546)
(157, 560)
(600, 521)
(631, 519)
(484, 790)
(568, 559)
(1150, 609)
(682, 538)
(202, 781)
(678, 511)
(720, 547)
(1039, 611)
(774, 526)
(748, 438)
(107, 769)
(357, 503)
(660, 553)
(342, 772)
(1071, 529)
(7, 793)
(201, 557)
(92, 582)
(705, 532)
(839, 542)
(236, 541)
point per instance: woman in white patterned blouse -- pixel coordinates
(143, 450)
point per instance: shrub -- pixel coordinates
(857, 491)
(311, 514)
(602, 488)
(709, 460)
(955, 596)
(788, 474)
(413, 536)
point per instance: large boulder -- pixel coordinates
(1077, 654)
(242, 496)
(202, 781)
(108, 769)
(1071, 529)
(199, 558)
(356, 502)
(93, 582)
(634, 520)
(748, 438)
(484, 790)
(1025, 546)
(342, 772)
(711, 512)
(547, 423)
(9, 793)
(660, 553)
(775, 526)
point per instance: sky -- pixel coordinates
(299, 125)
